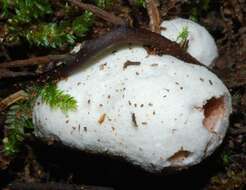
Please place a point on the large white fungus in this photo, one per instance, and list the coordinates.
(201, 44)
(154, 111)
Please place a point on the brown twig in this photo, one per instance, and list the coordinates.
(49, 61)
(53, 186)
(33, 61)
(109, 17)
(154, 15)
(5, 73)
(20, 95)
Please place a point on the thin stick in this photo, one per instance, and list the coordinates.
(154, 15)
(33, 61)
(5, 73)
(109, 17)
(53, 186)
(20, 95)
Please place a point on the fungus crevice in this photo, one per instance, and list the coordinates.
(179, 156)
(214, 111)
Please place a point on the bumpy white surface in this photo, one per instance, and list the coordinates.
(201, 44)
(163, 93)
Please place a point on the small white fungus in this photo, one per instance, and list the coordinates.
(154, 111)
(201, 44)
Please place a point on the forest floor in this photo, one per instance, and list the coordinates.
(224, 170)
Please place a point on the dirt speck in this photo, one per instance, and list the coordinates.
(130, 63)
(134, 121)
(102, 118)
(154, 65)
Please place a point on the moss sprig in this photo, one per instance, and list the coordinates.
(82, 24)
(140, 3)
(18, 123)
(104, 3)
(5, 5)
(30, 23)
(182, 38)
(57, 99)
(27, 10)
(49, 35)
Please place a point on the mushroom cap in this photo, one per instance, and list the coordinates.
(154, 111)
(201, 44)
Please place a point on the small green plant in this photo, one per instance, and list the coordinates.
(226, 158)
(194, 14)
(27, 10)
(104, 3)
(55, 35)
(183, 35)
(32, 21)
(197, 8)
(5, 4)
(18, 124)
(48, 35)
(182, 38)
(57, 99)
(140, 3)
(19, 116)
(82, 24)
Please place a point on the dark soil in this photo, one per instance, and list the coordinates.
(224, 170)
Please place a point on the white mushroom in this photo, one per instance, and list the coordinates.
(154, 111)
(201, 44)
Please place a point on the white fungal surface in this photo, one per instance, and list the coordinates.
(155, 112)
(201, 44)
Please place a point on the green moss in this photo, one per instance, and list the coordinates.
(140, 3)
(56, 35)
(19, 116)
(104, 3)
(182, 38)
(18, 122)
(49, 35)
(57, 99)
(32, 22)
(82, 24)
(184, 34)
(5, 5)
(28, 10)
